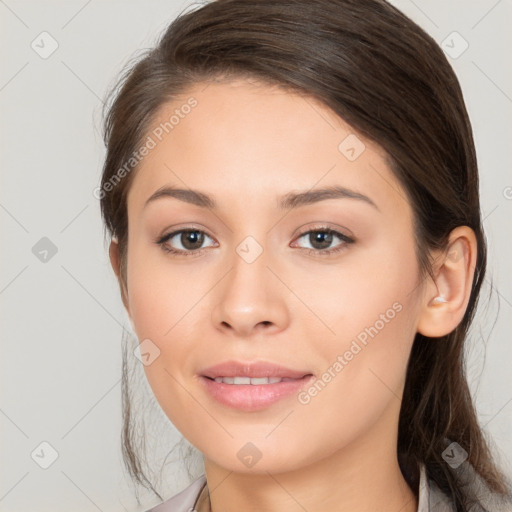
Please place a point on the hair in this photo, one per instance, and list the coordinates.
(388, 79)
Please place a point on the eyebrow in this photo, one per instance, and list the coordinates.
(290, 200)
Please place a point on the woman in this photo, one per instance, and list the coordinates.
(291, 189)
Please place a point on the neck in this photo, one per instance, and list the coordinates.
(364, 476)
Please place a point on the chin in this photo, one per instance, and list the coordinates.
(260, 457)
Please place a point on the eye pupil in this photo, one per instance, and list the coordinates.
(196, 238)
(322, 237)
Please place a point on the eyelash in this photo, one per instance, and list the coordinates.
(316, 252)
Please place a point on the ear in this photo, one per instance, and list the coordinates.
(453, 270)
(115, 261)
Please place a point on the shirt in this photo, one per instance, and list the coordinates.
(430, 497)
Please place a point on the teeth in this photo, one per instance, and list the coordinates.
(255, 381)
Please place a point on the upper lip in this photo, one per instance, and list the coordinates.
(253, 370)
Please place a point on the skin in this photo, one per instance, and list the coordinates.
(246, 144)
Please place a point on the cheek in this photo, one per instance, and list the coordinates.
(168, 307)
(360, 295)
(360, 387)
(161, 294)
(372, 312)
(163, 302)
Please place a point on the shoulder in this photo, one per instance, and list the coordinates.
(183, 501)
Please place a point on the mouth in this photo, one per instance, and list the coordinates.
(252, 386)
(252, 370)
(253, 381)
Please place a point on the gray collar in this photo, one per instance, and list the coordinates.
(482, 499)
(430, 497)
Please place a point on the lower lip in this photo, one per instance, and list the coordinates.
(248, 397)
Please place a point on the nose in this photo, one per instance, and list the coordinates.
(250, 300)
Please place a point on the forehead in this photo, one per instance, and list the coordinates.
(248, 142)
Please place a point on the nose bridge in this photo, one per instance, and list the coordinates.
(250, 296)
(250, 266)
(251, 252)
(247, 287)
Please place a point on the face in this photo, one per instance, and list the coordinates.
(320, 290)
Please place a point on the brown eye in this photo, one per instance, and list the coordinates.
(191, 240)
(321, 240)
(184, 241)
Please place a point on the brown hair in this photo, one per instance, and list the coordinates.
(388, 79)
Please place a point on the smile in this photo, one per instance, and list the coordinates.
(256, 381)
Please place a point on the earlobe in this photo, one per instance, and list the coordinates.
(446, 298)
(438, 300)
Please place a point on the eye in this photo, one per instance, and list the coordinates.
(189, 242)
(322, 238)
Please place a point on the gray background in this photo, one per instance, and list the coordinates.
(62, 317)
